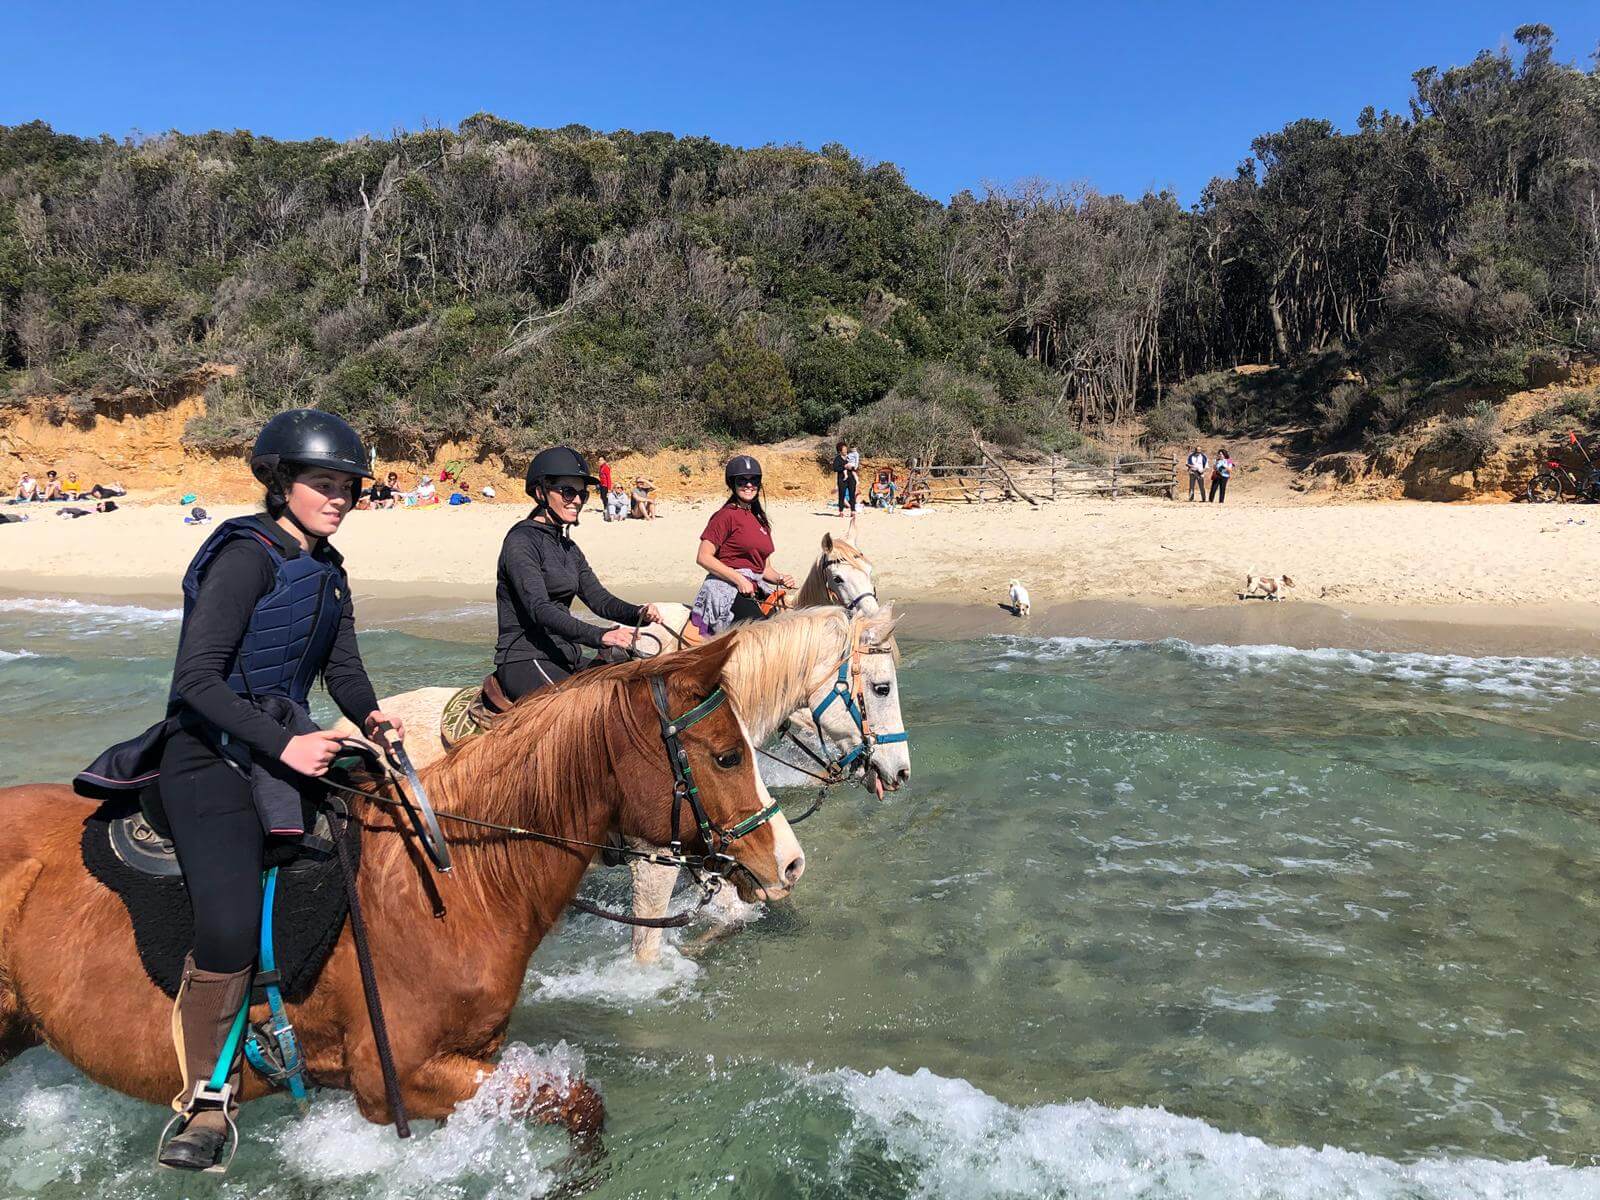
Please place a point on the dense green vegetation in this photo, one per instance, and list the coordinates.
(514, 285)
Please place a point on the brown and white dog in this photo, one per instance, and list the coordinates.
(1266, 587)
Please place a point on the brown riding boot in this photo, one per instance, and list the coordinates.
(202, 1017)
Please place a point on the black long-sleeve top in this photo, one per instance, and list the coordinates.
(234, 583)
(541, 571)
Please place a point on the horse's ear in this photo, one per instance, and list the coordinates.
(827, 543)
(878, 629)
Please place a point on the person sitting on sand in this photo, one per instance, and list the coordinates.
(27, 489)
(644, 504)
(382, 494)
(617, 502)
(883, 488)
(72, 487)
(424, 493)
(52, 487)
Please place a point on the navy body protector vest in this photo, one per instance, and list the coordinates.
(293, 627)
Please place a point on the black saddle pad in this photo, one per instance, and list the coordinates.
(308, 914)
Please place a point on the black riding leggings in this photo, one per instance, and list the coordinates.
(219, 839)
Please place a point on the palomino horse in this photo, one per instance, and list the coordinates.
(570, 764)
(840, 651)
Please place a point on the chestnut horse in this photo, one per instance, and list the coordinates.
(574, 763)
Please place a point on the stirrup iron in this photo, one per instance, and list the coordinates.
(204, 1097)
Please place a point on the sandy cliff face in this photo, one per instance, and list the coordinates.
(138, 442)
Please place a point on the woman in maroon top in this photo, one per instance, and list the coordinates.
(736, 553)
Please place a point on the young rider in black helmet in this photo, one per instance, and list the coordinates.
(267, 610)
(541, 571)
(735, 552)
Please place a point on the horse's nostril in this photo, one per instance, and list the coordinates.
(903, 775)
(795, 869)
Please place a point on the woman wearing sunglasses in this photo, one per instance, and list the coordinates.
(736, 552)
(541, 570)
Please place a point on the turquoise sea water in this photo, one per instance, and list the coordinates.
(1154, 920)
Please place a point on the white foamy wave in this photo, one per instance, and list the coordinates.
(1520, 677)
(961, 1142)
(617, 981)
(83, 610)
(9, 655)
(487, 1148)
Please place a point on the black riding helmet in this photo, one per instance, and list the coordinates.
(740, 464)
(556, 462)
(308, 438)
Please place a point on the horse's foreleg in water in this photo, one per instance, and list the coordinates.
(16, 1031)
(652, 895)
(434, 1089)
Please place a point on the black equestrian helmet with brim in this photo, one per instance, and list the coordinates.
(307, 437)
(556, 462)
(741, 464)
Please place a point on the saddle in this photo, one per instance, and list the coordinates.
(472, 711)
(128, 854)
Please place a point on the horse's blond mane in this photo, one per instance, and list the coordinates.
(814, 591)
(776, 665)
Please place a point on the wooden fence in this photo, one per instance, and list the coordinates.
(1055, 479)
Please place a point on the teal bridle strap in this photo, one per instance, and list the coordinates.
(684, 788)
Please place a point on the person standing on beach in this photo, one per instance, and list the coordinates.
(604, 475)
(1197, 473)
(846, 463)
(1221, 472)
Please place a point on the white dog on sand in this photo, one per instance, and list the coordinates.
(1020, 604)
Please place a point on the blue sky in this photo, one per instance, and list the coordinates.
(1126, 97)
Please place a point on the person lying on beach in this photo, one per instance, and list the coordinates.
(27, 489)
(12, 518)
(104, 506)
(101, 491)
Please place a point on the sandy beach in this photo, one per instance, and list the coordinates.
(1368, 574)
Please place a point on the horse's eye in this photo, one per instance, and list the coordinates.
(730, 759)
(882, 689)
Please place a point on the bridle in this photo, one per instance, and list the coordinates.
(849, 690)
(849, 606)
(708, 870)
(686, 792)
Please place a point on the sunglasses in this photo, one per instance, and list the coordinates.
(746, 481)
(571, 494)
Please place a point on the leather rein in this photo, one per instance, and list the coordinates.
(707, 870)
